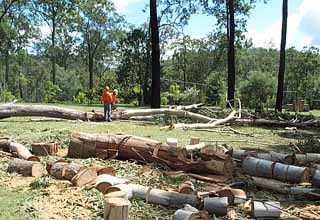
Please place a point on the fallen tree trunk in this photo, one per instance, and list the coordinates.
(48, 111)
(144, 150)
(17, 149)
(276, 123)
(25, 168)
(211, 124)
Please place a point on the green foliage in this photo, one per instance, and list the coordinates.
(189, 96)
(257, 90)
(92, 96)
(51, 92)
(216, 89)
(6, 96)
(40, 182)
(164, 98)
(81, 98)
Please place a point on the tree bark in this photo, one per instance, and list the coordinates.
(91, 63)
(231, 55)
(127, 147)
(155, 87)
(25, 168)
(7, 67)
(22, 152)
(282, 65)
(65, 171)
(53, 43)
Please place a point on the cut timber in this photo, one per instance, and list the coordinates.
(316, 179)
(5, 144)
(121, 187)
(104, 170)
(116, 209)
(241, 154)
(258, 167)
(84, 177)
(308, 158)
(65, 171)
(127, 147)
(268, 209)
(277, 157)
(44, 149)
(104, 181)
(22, 152)
(162, 197)
(235, 196)
(190, 213)
(194, 140)
(48, 111)
(25, 168)
(187, 187)
(50, 163)
(216, 205)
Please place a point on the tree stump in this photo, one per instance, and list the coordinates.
(116, 209)
(25, 168)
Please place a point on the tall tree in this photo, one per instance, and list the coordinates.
(54, 14)
(282, 65)
(155, 54)
(231, 52)
(99, 26)
(5, 6)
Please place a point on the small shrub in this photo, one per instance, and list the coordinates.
(81, 98)
(6, 96)
(51, 92)
(164, 98)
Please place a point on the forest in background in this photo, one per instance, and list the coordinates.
(89, 45)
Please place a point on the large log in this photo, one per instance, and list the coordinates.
(144, 150)
(25, 168)
(47, 111)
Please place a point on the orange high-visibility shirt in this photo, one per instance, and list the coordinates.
(106, 97)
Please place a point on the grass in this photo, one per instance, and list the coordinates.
(15, 203)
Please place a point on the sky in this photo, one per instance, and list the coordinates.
(264, 23)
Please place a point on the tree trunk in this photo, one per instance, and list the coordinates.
(53, 44)
(155, 87)
(104, 181)
(48, 111)
(22, 152)
(25, 168)
(91, 63)
(282, 65)
(65, 171)
(20, 89)
(231, 55)
(144, 150)
(7, 67)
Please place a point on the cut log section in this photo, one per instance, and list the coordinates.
(277, 157)
(127, 147)
(258, 167)
(84, 177)
(194, 140)
(117, 194)
(44, 149)
(162, 197)
(316, 179)
(104, 181)
(25, 168)
(190, 213)
(22, 152)
(307, 158)
(187, 188)
(104, 170)
(216, 205)
(50, 163)
(241, 154)
(5, 144)
(268, 209)
(235, 196)
(65, 171)
(116, 209)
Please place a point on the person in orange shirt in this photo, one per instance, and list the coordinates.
(114, 98)
(106, 98)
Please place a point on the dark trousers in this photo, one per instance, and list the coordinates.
(107, 111)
